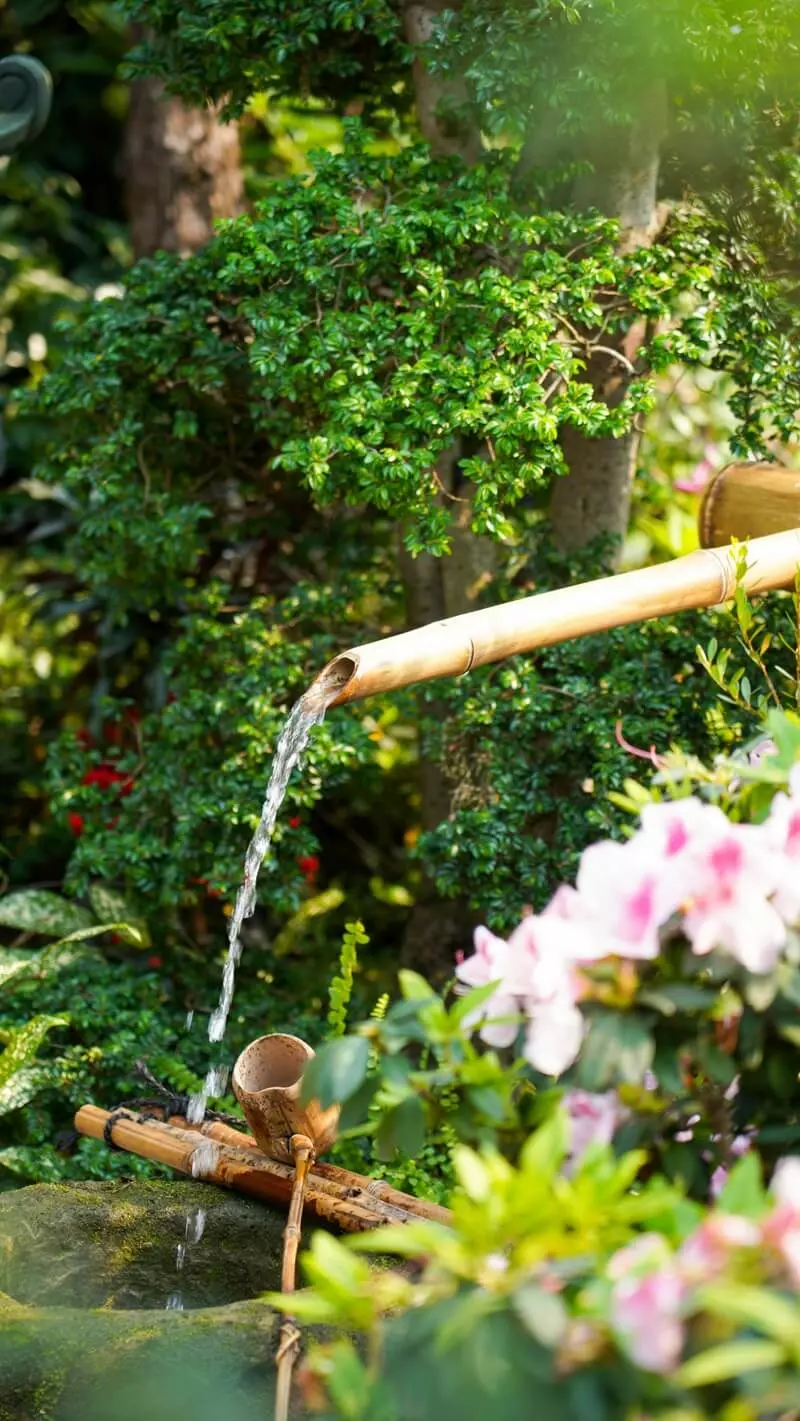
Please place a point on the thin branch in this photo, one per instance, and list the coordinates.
(651, 754)
(616, 354)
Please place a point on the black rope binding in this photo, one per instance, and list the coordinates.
(161, 1106)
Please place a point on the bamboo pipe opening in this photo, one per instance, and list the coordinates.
(334, 678)
(271, 1061)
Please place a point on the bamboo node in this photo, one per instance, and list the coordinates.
(290, 1341)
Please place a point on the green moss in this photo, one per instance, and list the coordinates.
(113, 1246)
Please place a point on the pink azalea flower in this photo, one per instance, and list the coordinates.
(726, 879)
(536, 974)
(620, 889)
(782, 830)
(543, 953)
(647, 1298)
(593, 1120)
(490, 963)
(678, 824)
(696, 481)
(761, 751)
(785, 1186)
(542, 956)
(781, 1229)
(706, 1252)
(554, 1036)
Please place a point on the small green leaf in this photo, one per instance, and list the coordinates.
(22, 1043)
(97, 930)
(619, 1048)
(402, 1129)
(15, 964)
(22, 1087)
(543, 1314)
(35, 910)
(545, 1151)
(757, 1308)
(471, 1001)
(414, 987)
(336, 1071)
(678, 996)
(743, 1191)
(732, 1359)
(111, 905)
(472, 1174)
(488, 1101)
(355, 1109)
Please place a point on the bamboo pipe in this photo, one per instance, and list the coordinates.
(334, 1196)
(453, 647)
(342, 1183)
(749, 501)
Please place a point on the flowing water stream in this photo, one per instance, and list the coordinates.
(307, 713)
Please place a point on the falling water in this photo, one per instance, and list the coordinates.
(308, 712)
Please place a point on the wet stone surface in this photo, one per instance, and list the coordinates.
(102, 1245)
(86, 1270)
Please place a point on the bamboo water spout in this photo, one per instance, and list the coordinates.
(453, 647)
(266, 1082)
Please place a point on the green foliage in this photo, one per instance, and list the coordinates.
(516, 832)
(18, 1080)
(592, 63)
(512, 1304)
(422, 1076)
(358, 339)
(236, 446)
(333, 49)
(341, 987)
(339, 343)
(768, 649)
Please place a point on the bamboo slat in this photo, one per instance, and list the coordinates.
(334, 1196)
(454, 646)
(344, 1180)
(748, 501)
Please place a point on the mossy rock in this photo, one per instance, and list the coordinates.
(115, 1245)
(85, 1274)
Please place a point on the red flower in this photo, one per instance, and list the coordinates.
(210, 892)
(76, 824)
(154, 960)
(309, 867)
(84, 737)
(104, 776)
(295, 822)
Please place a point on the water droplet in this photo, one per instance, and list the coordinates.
(195, 1225)
(196, 1109)
(204, 1159)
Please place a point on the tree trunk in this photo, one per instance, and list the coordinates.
(440, 102)
(594, 498)
(441, 587)
(435, 929)
(182, 171)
